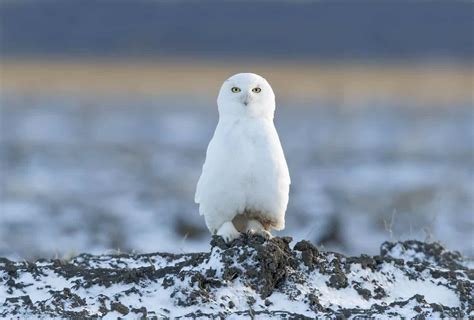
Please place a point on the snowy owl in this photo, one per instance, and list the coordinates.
(245, 181)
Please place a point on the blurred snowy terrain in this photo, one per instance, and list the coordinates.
(97, 175)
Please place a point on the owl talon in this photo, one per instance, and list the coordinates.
(264, 233)
(228, 232)
(256, 228)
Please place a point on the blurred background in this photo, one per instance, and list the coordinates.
(107, 108)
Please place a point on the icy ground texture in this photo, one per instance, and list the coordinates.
(249, 277)
(90, 175)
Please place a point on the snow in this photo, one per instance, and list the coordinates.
(399, 287)
(401, 253)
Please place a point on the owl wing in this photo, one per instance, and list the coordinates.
(197, 196)
(202, 185)
(199, 186)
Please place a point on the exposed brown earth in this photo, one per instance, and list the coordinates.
(350, 83)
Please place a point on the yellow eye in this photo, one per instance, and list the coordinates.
(235, 89)
(256, 90)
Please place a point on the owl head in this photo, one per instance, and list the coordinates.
(246, 95)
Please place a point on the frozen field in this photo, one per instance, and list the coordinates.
(100, 175)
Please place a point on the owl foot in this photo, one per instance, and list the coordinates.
(228, 232)
(255, 227)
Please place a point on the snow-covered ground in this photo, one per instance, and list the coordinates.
(85, 174)
(250, 278)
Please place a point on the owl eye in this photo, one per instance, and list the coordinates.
(235, 89)
(256, 90)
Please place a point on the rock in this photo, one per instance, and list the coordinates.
(117, 306)
(309, 253)
(249, 277)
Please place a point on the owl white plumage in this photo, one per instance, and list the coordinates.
(245, 181)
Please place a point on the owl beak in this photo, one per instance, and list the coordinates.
(246, 100)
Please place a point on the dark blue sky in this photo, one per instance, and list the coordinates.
(322, 29)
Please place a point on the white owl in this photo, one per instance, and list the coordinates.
(245, 181)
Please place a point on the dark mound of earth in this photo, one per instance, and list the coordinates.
(251, 277)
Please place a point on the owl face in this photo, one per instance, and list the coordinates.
(246, 94)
